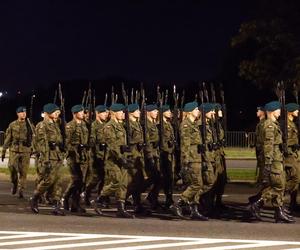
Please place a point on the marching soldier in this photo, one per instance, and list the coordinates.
(167, 155)
(273, 173)
(152, 160)
(191, 170)
(77, 158)
(291, 161)
(98, 146)
(18, 139)
(116, 161)
(49, 147)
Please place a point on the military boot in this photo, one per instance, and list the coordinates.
(293, 202)
(14, 188)
(177, 211)
(255, 208)
(280, 216)
(34, 203)
(169, 200)
(97, 207)
(195, 215)
(21, 194)
(122, 211)
(76, 207)
(57, 209)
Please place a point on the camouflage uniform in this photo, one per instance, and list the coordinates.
(274, 189)
(49, 144)
(167, 160)
(77, 159)
(259, 150)
(16, 139)
(152, 163)
(97, 158)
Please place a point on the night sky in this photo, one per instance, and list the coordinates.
(183, 42)
(49, 41)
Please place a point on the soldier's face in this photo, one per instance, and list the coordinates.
(120, 115)
(168, 114)
(102, 116)
(21, 115)
(276, 113)
(195, 113)
(54, 115)
(79, 115)
(136, 114)
(153, 114)
(260, 113)
(210, 114)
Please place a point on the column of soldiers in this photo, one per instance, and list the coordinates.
(278, 165)
(130, 149)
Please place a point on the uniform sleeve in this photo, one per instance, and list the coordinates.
(110, 140)
(93, 135)
(41, 142)
(8, 138)
(69, 132)
(185, 143)
(269, 136)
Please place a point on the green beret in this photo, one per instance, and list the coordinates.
(21, 109)
(117, 107)
(272, 106)
(291, 107)
(165, 108)
(218, 106)
(133, 107)
(207, 107)
(50, 108)
(101, 108)
(77, 108)
(190, 106)
(151, 107)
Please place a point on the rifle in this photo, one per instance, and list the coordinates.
(216, 129)
(203, 125)
(161, 117)
(224, 110)
(176, 114)
(94, 105)
(181, 105)
(112, 95)
(127, 124)
(83, 98)
(295, 93)
(144, 115)
(105, 99)
(29, 125)
(280, 91)
(62, 116)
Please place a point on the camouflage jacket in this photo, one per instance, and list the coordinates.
(259, 136)
(190, 140)
(136, 138)
(115, 137)
(272, 138)
(76, 140)
(168, 138)
(152, 147)
(48, 141)
(16, 137)
(292, 141)
(97, 139)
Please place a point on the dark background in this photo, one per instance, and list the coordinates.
(109, 42)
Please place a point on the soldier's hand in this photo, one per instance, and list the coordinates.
(266, 173)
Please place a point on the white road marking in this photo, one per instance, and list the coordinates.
(14, 238)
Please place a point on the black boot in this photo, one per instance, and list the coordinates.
(57, 209)
(14, 188)
(86, 198)
(169, 200)
(76, 207)
(195, 215)
(255, 208)
(21, 194)
(280, 216)
(122, 211)
(254, 198)
(34, 203)
(97, 207)
(177, 211)
(293, 202)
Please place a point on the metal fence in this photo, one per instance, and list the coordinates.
(240, 139)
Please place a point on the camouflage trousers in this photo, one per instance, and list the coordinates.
(117, 181)
(18, 165)
(50, 180)
(96, 175)
(292, 173)
(192, 174)
(274, 190)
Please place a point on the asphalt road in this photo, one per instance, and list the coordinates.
(234, 226)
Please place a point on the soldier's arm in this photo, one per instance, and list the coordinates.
(111, 141)
(8, 138)
(69, 132)
(41, 142)
(269, 136)
(185, 143)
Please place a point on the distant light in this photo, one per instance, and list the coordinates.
(1, 94)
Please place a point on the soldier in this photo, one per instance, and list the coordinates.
(273, 174)
(77, 158)
(291, 161)
(50, 150)
(18, 139)
(152, 157)
(191, 170)
(167, 155)
(137, 171)
(116, 161)
(259, 145)
(98, 146)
